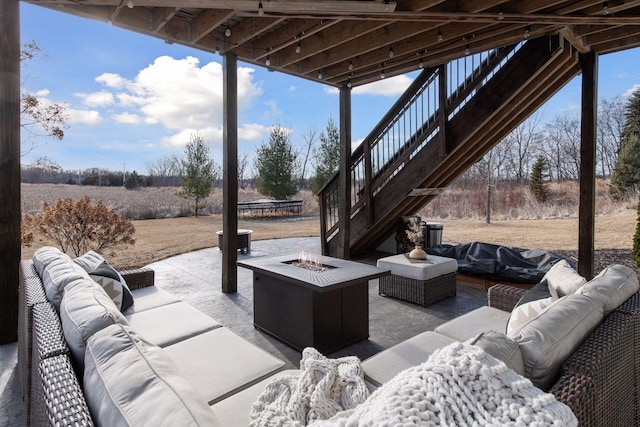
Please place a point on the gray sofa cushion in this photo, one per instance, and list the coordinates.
(549, 339)
(218, 363)
(613, 286)
(168, 324)
(469, 325)
(89, 261)
(86, 309)
(43, 257)
(57, 274)
(385, 365)
(149, 297)
(130, 382)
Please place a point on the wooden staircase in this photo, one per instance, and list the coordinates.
(418, 148)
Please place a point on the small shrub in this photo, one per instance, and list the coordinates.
(80, 225)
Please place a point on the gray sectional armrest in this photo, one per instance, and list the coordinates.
(504, 297)
(139, 278)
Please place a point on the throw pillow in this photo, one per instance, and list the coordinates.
(114, 285)
(502, 348)
(539, 291)
(526, 312)
(563, 279)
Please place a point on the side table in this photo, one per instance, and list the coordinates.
(244, 240)
(422, 282)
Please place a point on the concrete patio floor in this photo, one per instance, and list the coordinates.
(195, 277)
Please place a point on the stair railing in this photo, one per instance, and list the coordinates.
(411, 123)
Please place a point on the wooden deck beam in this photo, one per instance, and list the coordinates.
(10, 215)
(230, 174)
(588, 121)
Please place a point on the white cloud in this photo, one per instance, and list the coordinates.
(630, 91)
(292, 88)
(273, 110)
(42, 93)
(127, 118)
(252, 132)
(393, 86)
(111, 80)
(96, 99)
(87, 117)
(181, 95)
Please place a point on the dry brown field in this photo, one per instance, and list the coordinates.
(158, 239)
(161, 238)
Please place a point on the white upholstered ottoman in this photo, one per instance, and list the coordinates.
(423, 282)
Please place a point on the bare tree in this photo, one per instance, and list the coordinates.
(307, 149)
(563, 142)
(165, 170)
(38, 117)
(243, 162)
(611, 119)
(523, 141)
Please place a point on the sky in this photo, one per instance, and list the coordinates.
(133, 99)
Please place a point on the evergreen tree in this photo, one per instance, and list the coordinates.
(198, 172)
(538, 181)
(626, 170)
(327, 157)
(276, 165)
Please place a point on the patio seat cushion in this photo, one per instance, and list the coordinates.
(44, 256)
(234, 411)
(168, 324)
(612, 286)
(563, 279)
(385, 365)
(548, 339)
(128, 381)
(85, 310)
(89, 261)
(502, 348)
(149, 297)
(219, 363)
(471, 324)
(57, 274)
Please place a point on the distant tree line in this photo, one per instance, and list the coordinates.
(557, 142)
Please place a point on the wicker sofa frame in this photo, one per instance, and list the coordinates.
(51, 389)
(600, 381)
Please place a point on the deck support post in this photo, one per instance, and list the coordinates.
(230, 173)
(442, 111)
(10, 215)
(344, 179)
(588, 124)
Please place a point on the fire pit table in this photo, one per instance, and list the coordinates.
(325, 306)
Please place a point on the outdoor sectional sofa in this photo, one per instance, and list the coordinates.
(196, 372)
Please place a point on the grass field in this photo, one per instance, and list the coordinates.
(161, 238)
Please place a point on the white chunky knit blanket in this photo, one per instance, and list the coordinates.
(459, 385)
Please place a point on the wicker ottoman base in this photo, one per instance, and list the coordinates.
(422, 292)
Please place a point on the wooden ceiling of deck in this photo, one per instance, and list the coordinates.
(351, 43)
